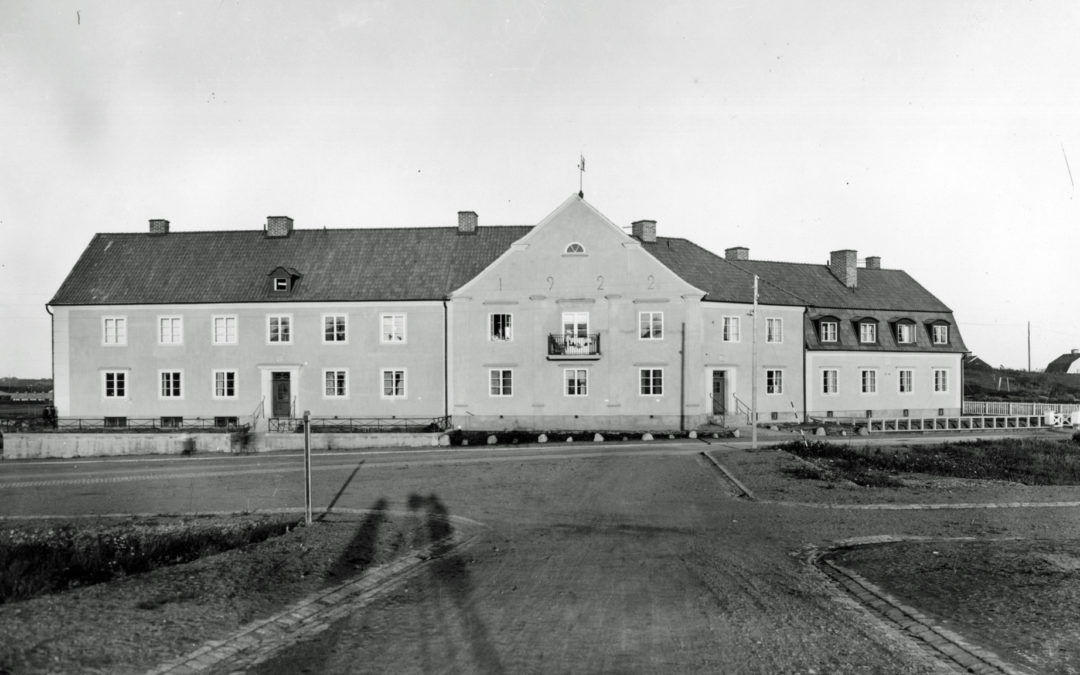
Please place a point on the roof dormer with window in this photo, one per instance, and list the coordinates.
(283, 281)
(904, 330)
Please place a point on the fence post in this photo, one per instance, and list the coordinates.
(307, 467)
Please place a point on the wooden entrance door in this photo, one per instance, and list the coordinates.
(719, 392)
(281, 395)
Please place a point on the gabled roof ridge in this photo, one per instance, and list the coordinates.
(175, 233)
(778, 262)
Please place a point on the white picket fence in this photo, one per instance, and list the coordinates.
(1018, 408)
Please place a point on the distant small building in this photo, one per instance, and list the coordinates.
(972, 362)
(1066, 363)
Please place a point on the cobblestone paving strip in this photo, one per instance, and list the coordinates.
(942, 642)
(260, 640)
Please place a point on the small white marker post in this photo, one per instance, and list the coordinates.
(307, 467)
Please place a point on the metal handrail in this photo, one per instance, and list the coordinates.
(572, 345)
(353, 425)
(132, 425)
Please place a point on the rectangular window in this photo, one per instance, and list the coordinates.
(731, 329)
(114, 330)
(170, 330)
(941, 334)
(115, 422)
(869, 381)
(941, 380)
(279, 329)
(828, 331)
(829, 381)
(502, 327)
(652, 381)
(393, 328)
(224, 330)
(226, 422)
(502, 382)
(224, 384)
(393, 384)
(281, 284)
(575, 324)
(171, 384)
(172, 422)
(774, 330)
(867, 332)
(334, 328)
(905, 382)
(774, 382)
(651, 325)
(576, 382)
(905, 333)
(115, 384)
(336, 383)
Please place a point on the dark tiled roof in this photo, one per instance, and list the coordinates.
(848, 332)
(232, 266)
(1061, 364)
(784, 283)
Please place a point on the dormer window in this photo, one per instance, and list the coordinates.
(281, 284)
(283, 280)
(828, 330)
(867, 332)
(905, 332)
(575, 248)
(941, 333)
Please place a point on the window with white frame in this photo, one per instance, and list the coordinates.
(501, 381)
(281, 284)
(334, 328)
(501, 327)
(224, 330)
(867, 332)
(114, 383)
(170, 330)
(774, 330)
(575, 248)
(335, 383)
(941, 380)
(279, 329)
(171, 384)
(905, 333)
(393, 328)
(651, 325)
(869, 381)
(774, 382)
(224, 383)
(905, 381)
(393, 384)
(652, 381)
(576, 382)
(731, 329)
(575, 324)
(114, 330)
(829, 379)
(941, 334)
(828, 331)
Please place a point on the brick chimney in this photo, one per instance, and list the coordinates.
(844, 265)
(278, 226)
(159, 226)
(737, 253)
(467, 222)
(873, 262)
(644, 230)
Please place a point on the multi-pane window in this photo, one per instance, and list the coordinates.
(905, 333)
(334, 328)
(502, 327)
(651, 325)
(941, 380)
(774, 382)
(652, 381)
(115, 384)
(905, 381)
(393, 384)
(393, 328)
(774, 330)
(828, 331)
(829, 379)
(575, 249)
(171, 384)
(224, 330)
(867, 332)
(224, 384)
(869, 381)
(941, 334)
(114, 330)
(576, 382)
(575, 324)
(501, 381)
(335, 383)
(281, 284)
(170, 330)
(279, 329)
(731, 329)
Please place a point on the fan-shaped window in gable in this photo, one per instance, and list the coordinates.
(574, 248)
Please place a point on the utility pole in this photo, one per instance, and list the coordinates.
(307, 467)
(1029, 346)
(753, 369)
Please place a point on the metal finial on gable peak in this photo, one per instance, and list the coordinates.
(581, 175)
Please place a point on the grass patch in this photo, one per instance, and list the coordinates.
(41, 558)
(1031, 461)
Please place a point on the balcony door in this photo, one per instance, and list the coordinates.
(575, 324)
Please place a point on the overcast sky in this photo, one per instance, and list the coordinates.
(934, 134)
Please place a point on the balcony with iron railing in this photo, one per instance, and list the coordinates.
(573, 348)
